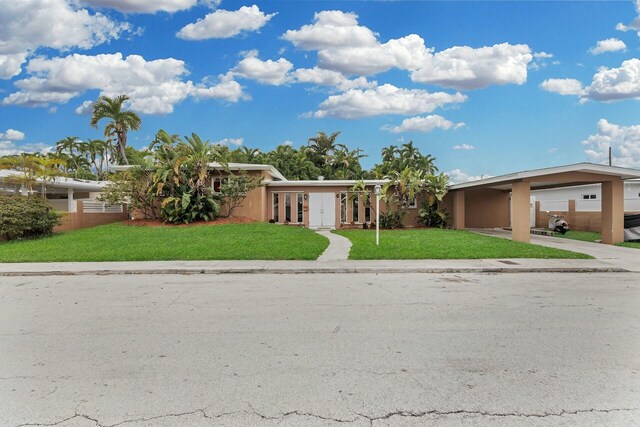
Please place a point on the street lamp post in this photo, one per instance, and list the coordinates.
(377, 192)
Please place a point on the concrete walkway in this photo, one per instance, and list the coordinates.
(338, 249)
(614, 256)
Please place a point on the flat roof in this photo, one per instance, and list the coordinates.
(326, 183)
(504, 182)
(62, 182)
(252, 167)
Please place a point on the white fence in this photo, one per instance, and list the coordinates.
(99, 207)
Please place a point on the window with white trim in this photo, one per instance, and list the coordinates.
(414, 203)
(588, 197)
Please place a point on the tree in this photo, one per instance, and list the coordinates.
(68, 147)
(97, 151)
(131, 187)
(179, 178)
(121, 121)
(235, 188)
(26, 165)
(47, 169)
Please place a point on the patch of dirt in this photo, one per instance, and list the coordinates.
(159, 223)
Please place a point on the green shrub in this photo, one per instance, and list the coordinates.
(391, 219)
(431, 215)
(186, 207)
(26, 216)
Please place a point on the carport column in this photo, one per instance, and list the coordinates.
(520, 211)
(70, 207)
(458, 210)
(612, 211)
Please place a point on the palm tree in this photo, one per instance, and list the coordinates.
(121, 121)
(97, 152)
(47, 168)
(322, 146)
(68, 147)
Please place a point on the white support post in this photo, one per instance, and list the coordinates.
(70, 207)
(377, 191)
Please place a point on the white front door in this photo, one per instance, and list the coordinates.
(322, 210)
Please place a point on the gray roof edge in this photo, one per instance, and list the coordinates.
(624, 173)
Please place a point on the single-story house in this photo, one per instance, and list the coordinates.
(502, 201)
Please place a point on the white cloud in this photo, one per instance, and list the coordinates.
(610, 84)
(552, 150)
(12, 135)
(85, 108)
(462, 67)
(383, 100)
(267, 72)
(28, 25)
(634, 25)
(8, 148)
(423, 124)
(563, 86)
(331, 29)
(349, 48)
(231, 141)
(223, 24)
(407, 53)
(141, 6)
(608, 45)
(287, 142)
(456, 176)
(324, 77)
(540, 60)
(153, 86)
(464, 147)
(623, 140)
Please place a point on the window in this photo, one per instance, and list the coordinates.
(216, 183)
(588, 196)
(414, 203)
(343, 208)
(287, 207)
(367, 210)
(355, 205)
(300, 208)
(276, 207)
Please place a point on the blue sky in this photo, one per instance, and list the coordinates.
(486, 87)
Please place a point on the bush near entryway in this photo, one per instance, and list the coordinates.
(25, 216)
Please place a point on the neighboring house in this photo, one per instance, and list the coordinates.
(75, 198)
(581, 205)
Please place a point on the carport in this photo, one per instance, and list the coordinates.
(504, 201)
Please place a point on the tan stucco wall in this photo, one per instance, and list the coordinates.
(483, 208)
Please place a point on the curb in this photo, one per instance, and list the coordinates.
(345, 270)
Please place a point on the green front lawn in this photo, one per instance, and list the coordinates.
(119, 242)
(590, 236)
(434, 243)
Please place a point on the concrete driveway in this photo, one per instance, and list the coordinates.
(319, 350)
(615, 256)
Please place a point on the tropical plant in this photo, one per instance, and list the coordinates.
(180, 175)
(121, 122)
(131, 187)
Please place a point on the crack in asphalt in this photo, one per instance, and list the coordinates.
(418, 414)
(370, 418)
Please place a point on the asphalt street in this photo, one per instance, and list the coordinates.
(468, 349)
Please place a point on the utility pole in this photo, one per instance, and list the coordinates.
(609, 155)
